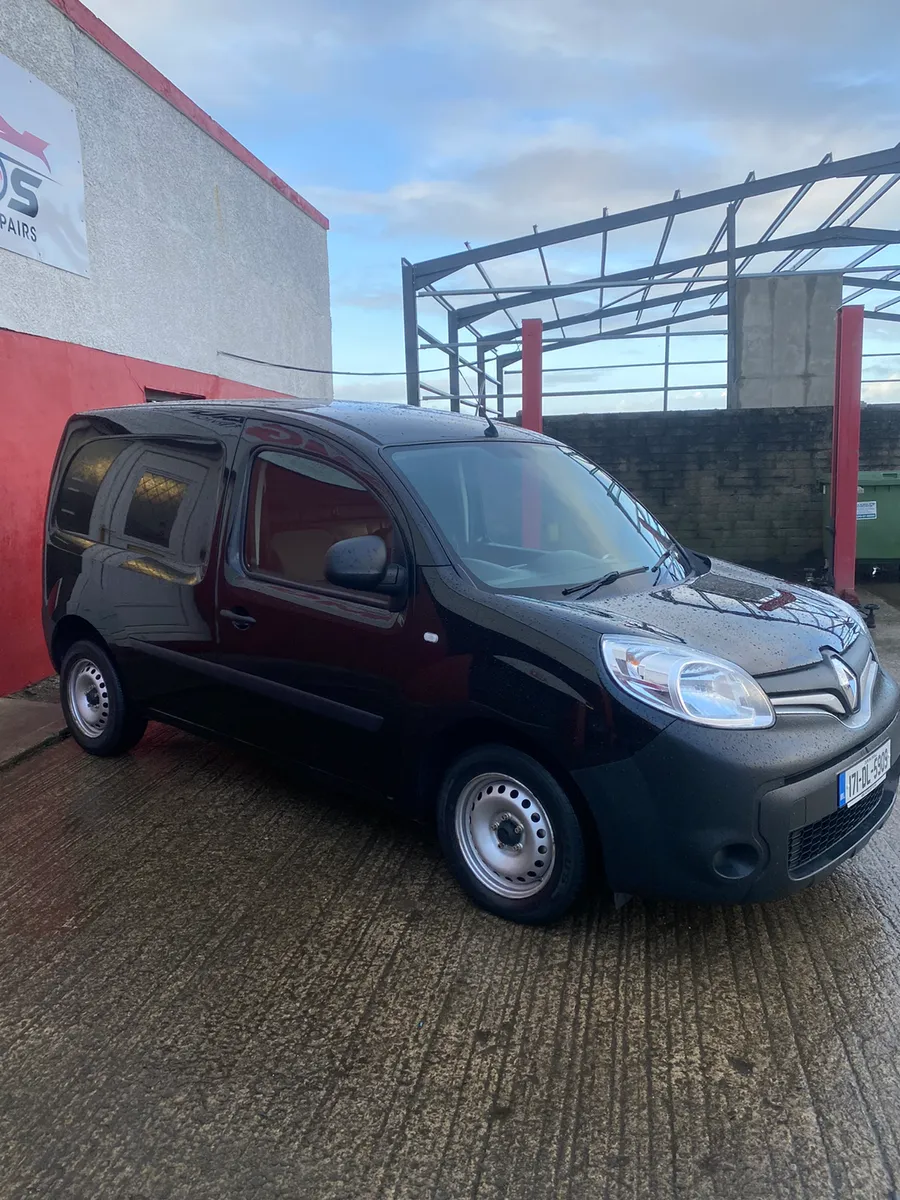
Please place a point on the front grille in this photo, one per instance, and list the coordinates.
(815, 840)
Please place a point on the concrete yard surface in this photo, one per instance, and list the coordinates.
(26, 725)
(218, 984)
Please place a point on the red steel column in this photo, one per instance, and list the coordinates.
(532, 385)
(532, 418)
(845, 448)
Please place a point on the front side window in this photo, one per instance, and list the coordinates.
(298, 508)
(534, 517)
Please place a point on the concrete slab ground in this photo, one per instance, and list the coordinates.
(215, 984)
(26, 725)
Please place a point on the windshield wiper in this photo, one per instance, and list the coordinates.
(592, 585)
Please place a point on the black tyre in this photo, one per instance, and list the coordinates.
(100, 718)
(511, 836)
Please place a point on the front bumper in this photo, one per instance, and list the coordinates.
(708, 816)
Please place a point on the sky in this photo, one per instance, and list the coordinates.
(417, 125)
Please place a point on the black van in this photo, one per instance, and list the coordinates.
(475, 623)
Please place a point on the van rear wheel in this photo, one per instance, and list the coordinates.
(100, 718)
(511, 836)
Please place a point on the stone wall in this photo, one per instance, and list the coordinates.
(744, 484)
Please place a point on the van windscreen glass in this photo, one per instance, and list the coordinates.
(526, 516)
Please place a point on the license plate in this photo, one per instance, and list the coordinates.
(858, 781)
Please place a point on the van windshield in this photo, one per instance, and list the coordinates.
(536, 517)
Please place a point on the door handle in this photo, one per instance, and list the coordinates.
(239, 617)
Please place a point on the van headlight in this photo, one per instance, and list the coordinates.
(687, 683)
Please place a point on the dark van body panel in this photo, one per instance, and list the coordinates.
(163, 536)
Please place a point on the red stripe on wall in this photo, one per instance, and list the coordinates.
(43, 383)
(90, 24)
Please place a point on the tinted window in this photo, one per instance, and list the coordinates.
(152, 495)
(298, 508)
(154, 508)
(525, 516)
(81, 483)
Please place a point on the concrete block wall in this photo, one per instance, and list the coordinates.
(742, 484)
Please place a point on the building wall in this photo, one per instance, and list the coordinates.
(745, 486)
(786, 341)
(193, 255)
(67, 379)
(198, 255)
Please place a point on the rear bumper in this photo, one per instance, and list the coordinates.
(697, 816)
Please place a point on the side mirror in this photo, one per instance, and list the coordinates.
(358, 562)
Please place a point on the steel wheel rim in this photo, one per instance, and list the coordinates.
(490, 810)
(88, 698)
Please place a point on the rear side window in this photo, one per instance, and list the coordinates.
(81, 483)
(298, 508)
(154, 508)
(154, 495)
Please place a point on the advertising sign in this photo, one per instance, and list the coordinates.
(41, 182)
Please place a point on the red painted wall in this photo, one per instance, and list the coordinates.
(42, 383)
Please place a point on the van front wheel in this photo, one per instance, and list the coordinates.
(511, 836)
(100, 718)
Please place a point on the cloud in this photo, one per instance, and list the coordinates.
(234, 54)
(416, 124)
(511, 112)
(562, 174)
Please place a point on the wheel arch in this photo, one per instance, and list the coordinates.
(455, 740)
(69, 630)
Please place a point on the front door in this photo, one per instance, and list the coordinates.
(321, 668)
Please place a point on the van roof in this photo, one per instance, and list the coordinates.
(386, 424)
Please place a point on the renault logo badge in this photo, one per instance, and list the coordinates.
(847, 682)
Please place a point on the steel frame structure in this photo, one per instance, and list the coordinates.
(635, 292)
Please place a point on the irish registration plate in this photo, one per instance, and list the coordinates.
(859, 780)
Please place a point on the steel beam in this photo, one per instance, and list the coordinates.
(410, 333)
(609, 281)
(829, 221)
(604, 238)
(611, 310)
(731, 251)
(547, 275)
(660, 251)
(881, 162)
(487, 279)
(453, 352)
(482, 389)
(854, 216)
(666, 368)
(778, 221)
(873, 285)
(642, 391)
(841, 235)
(629, 331)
